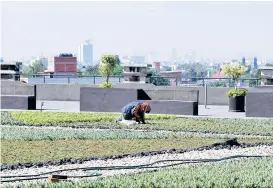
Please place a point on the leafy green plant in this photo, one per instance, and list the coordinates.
(158, 80)
(106, 85)
(236, 92)
(235, 71)
(108, 64)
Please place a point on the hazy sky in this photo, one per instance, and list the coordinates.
(212, 29)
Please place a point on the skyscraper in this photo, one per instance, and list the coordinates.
(255, 63)
(85, 55)
(244, 61)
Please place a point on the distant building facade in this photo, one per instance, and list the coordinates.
(255, 63)
(173, 76)
(156, 66)
(64, 64)
(134, 73)
(10, 71)
(244, 61)
(85, 53)
(266, 75)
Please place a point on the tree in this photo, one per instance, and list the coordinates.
(158, 80)
(92, 70)
(118, 71)
(194, 70)
(108, 63)
(33, 69)
(234, 71)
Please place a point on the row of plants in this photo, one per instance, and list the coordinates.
(33, 133)
(18, 151)
(247, 173)
(154, 122)
(54, 118)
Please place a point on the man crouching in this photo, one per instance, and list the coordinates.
(135, 110)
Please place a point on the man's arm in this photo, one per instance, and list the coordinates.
(139, 118)
(136, 112)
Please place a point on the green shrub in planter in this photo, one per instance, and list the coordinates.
(106, 85)
(236, 92)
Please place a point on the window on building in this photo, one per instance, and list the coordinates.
(134, 79)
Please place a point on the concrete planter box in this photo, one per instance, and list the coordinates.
(259, 103)
(20, 102)
(113, 99)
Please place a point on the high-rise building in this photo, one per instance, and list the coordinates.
(156, 66)
(85, 55)
(174, 55)
(244, 61)
(255, 63)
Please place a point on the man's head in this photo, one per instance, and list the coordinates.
(145, 107)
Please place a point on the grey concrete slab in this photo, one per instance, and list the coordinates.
(105, 99)
(174, 107)
(259, 103)
(23, 102)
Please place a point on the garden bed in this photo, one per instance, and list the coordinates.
(229, 172)
(154, 122)
(41, 140)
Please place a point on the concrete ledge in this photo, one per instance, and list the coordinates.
(23, 102)
(105, 99)
(259, 103)
(112, 100)
(174, 107)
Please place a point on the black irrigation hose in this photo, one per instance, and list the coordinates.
(145, 166)
(45, 177)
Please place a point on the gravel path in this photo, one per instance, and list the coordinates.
(206, 154)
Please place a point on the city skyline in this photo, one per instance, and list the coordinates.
(224, 30)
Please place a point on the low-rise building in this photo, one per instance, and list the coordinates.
(10, 71)
(173, 76)
(63, 65)
(266, 75)
(134, 73)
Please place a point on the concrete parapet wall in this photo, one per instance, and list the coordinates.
(71, 92)
(105, 100)
(16, 88)
(60, 92)
(174, 107)
(112, 100)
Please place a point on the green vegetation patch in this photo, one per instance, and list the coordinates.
(18, 151)
(55, 133)
(245, 173)
(154, 122)
(219, 125)
(55, 118)
(13, 152)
